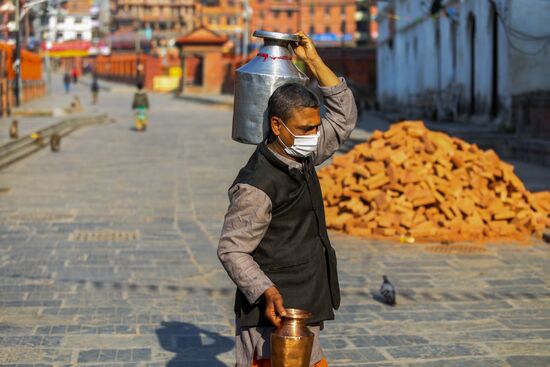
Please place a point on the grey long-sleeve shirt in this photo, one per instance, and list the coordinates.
(249, 215)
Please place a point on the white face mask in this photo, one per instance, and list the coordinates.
(304, 145)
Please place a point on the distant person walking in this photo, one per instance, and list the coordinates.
(75, 75)
(67, 82)
(140, 105)
(94, 89)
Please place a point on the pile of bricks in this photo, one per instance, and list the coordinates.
(411, 182)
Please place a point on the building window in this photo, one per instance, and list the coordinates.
(78, 20)
(343, 11)
(327, 10)
(276, 14)
(289, 13)
(311, 30)
(78, 36)
(311, 11)
(327, 29)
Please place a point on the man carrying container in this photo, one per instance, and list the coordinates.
(274, 243)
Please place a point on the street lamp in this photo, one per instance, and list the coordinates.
(19, 15)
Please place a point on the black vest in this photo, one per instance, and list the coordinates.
(295, 252)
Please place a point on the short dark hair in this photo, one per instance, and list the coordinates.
(288, 98)
(139, 85)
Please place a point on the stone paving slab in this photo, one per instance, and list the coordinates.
(144, 287)
(54, 99)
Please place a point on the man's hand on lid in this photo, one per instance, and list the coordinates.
(305, 50)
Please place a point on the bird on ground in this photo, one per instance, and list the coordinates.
(14, 130)
(387, 290)
(55, 142)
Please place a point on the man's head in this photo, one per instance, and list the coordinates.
(139, 85)
(296, 107)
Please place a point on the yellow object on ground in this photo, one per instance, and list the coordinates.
(175, 71)
(165, 83)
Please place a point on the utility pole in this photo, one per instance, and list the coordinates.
(137, 37)
(299, 15)
(139, 66)
(19, 15)
(45, 24)
(17, 58)
(247, 13)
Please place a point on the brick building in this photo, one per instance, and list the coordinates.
(225, 17)
(328, 22)
(204, 70)
(78, 7)
(168, 18)
(7, 11)
(367, 27)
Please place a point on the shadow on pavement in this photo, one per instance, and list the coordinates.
(378, 298)
(194, 346)
(406, 293)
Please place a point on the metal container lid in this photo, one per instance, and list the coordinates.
(276, 36)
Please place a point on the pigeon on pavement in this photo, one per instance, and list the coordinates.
(387, 290)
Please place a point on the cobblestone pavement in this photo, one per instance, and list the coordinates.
(107, 258)
(54, 102)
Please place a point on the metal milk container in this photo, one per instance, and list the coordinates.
(257, 80)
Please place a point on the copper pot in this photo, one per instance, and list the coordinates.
(291, 344)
